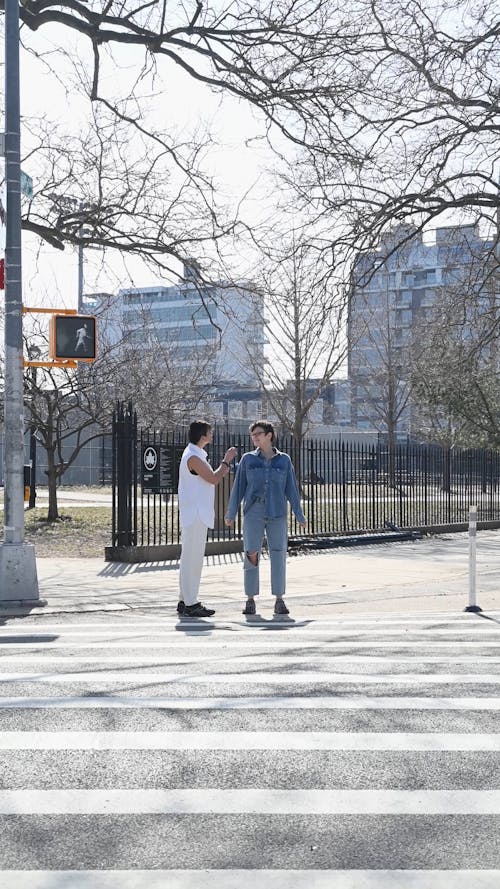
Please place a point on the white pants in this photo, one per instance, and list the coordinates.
(193, 540)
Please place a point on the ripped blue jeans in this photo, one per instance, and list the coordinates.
(256, 523)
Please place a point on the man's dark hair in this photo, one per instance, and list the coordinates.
(198, 428)
(265, 425)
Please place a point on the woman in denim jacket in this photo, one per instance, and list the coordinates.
(265, 480)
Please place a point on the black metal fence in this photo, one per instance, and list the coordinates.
(346, 488)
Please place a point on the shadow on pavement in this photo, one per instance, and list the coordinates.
(484, 616)
(13, 612)
(120, 569)
(191, 625)
(276, 622)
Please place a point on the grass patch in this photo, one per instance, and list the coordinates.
(78, 532)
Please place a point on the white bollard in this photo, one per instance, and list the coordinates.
(472, 606)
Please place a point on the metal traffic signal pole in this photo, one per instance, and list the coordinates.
(18, 575)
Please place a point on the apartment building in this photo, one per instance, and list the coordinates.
(219, 326)
(397, 287)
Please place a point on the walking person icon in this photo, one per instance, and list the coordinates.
(81, 339)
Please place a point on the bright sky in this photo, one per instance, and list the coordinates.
(50, 276)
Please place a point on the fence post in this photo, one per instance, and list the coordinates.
(313, 487)
(222, 490)
(343, 489)
(124, 476)
(472, 606)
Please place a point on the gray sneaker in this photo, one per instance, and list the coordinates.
(249, 606)
(280, 607)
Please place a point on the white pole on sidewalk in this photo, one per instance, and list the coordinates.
(472, 606)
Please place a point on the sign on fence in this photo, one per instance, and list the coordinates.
(158, 469)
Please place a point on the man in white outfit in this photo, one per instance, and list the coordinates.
(196, 494)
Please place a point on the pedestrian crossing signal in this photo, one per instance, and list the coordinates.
(73, 337)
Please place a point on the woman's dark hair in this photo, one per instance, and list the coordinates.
(198, 428)
(265, 425)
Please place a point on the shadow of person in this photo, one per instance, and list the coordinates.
(277, 621)
(254, 618)
(193, 625)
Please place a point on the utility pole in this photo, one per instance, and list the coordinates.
(78, 206)
(80, 277)
(34, 354)
(18, 575)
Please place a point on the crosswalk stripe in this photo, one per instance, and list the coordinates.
(262, 678)
(250, 740)
(396, 620)
(358, 702)
(144, 801)
(256, 646)
(268, 659)
(249, 878)
(261, 628)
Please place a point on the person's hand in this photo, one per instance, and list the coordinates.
(230, 454)
(302, 525)
(229, 522)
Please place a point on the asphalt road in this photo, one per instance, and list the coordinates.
(358, 753)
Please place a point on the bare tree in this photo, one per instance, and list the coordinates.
(305, 311)
(140, 188)
(393, 108)
(69, 407)
(381, 341)
(459, 399)
(414, 117)
(456, 375)
(165, 386)
(116, 189)
(266, 54)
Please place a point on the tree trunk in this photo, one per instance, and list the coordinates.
(446, 486)
(392, 456)
(53, 512)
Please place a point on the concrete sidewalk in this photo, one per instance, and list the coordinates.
(423, 575)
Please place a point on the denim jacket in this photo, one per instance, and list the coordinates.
(270, 480)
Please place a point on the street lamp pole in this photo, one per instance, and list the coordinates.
(80, 279)
(18, 576)
(34, 355)
(32, 500)
(77, 206)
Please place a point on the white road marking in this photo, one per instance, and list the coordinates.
(274, 702)
(200, 640)
(73, 801)
(248, 879)
(245, 740)
(389, 620)
(257, 629)
(306, 677)
(268, 659)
